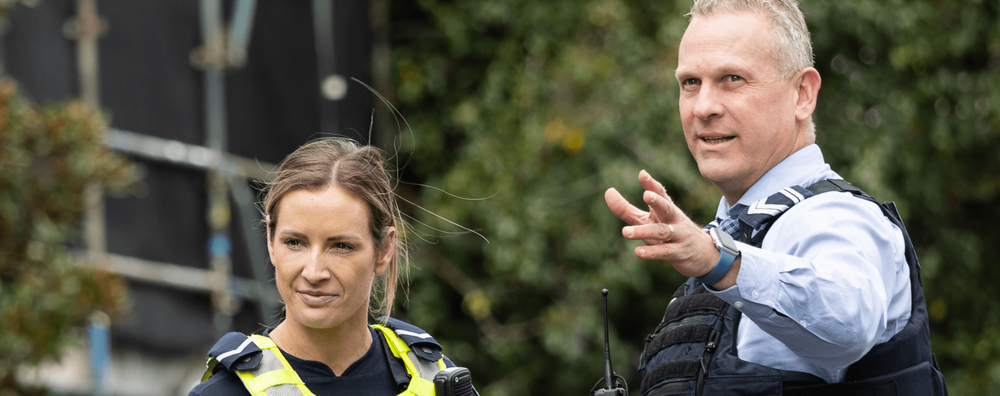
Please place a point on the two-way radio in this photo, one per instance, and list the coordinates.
(611, 385)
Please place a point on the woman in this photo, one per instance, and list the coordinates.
(333, 236)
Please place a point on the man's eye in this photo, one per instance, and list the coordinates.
(734, 78)
(691, 81)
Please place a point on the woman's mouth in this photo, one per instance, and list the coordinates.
(315, 298)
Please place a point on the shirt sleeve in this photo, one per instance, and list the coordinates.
(821, 282)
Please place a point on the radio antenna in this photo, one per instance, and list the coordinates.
(611, 385)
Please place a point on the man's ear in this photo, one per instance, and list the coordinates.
(807, 82)
(385, 252)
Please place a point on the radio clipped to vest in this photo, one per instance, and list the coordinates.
(453, 381)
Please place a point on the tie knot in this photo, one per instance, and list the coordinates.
(731, 225)
(737, 210)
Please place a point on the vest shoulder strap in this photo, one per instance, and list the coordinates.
(417, 350)
(259, 364)
(761, 215)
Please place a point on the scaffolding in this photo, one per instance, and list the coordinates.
(224, 43)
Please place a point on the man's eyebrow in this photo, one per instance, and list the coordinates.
(723, 70)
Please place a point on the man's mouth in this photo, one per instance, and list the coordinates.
(718, 139)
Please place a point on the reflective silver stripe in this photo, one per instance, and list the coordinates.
(235, 351)
(426, 369)
(412, 334)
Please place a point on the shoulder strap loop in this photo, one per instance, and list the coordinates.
(835, 185)
(421, 372)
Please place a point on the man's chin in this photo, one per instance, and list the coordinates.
(716, 170)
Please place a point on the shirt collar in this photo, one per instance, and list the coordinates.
(802, 168)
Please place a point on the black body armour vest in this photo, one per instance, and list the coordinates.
(693, 350)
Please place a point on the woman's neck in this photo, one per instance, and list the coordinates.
(337, 347)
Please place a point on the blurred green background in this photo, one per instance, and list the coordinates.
(528, 110)
(541, 106)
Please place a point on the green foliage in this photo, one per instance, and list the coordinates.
(909, 110)
(48, 156)
(541, 106)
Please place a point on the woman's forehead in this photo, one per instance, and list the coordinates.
(330, 209)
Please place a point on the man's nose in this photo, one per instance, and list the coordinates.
(708, 103)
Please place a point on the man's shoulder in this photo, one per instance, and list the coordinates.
(837, 211)
(843, 202)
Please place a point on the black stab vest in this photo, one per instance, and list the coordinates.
(693, 350)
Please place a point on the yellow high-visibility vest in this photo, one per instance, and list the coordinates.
(275, 373)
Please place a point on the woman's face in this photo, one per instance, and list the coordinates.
(325, 257)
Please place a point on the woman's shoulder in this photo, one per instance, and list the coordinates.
(419, 341)
(423, 345)
(234, 351)
(222, 383)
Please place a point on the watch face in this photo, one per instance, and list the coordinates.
(724, 241)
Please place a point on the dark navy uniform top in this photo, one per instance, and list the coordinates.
(368, 376)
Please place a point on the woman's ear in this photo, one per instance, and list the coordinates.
(270, 249)
(386, 251)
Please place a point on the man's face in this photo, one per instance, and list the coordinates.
(737, 111)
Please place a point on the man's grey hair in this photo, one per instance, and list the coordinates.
(792, 44)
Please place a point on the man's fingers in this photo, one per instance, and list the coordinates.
(662, 207)
(664, 212)
(650, 184)
(650, 232)
(624, 210)
(664, 252)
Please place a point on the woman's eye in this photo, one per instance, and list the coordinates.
(343, 246)
(293, 243)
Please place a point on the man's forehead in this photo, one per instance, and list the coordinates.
(725, 42)
(732, 29)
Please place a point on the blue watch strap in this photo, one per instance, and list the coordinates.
(726, 260)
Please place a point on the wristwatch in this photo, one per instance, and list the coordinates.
(728, 251)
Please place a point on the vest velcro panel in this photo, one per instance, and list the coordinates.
(682, 334)
(686, 369)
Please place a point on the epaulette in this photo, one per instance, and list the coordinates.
(422, 344)
(235, 351)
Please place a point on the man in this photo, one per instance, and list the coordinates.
(817, 297)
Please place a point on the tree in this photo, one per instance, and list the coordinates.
(48, 155)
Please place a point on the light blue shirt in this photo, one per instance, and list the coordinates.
(829, 281)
